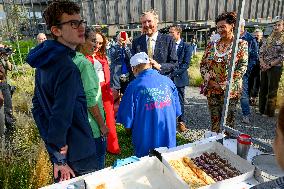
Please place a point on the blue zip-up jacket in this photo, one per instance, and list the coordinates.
(253, 51)
(59, 103)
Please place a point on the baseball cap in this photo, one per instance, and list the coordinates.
(139, 58)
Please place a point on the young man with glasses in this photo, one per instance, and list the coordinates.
(59, 102)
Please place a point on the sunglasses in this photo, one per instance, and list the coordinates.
(99, 43)
(75, 24)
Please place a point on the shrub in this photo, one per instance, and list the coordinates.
(193, 70)
(21, 51)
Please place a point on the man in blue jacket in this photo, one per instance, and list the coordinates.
(59, 102)
(181, 79)
(159, 47)
(149, 107)
(253, 58)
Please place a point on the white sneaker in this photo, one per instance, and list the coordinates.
(246, 120)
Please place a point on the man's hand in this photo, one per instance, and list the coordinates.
(213, 84)
(64, 150)
(264, 67)
(155, 64)
(65, 172)
(104, 130)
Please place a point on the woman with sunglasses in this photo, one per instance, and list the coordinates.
(92, 89)
(99, 59)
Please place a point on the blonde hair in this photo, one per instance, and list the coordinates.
(152, 12)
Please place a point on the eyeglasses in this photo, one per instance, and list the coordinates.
(75, 24)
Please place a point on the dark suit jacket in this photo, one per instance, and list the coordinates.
(164, 53)
(184, 53)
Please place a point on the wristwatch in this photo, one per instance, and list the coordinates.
(61, 163)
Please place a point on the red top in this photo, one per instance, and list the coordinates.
(108, 102)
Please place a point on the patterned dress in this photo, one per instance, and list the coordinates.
(214, 66)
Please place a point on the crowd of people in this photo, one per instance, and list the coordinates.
(84, 87)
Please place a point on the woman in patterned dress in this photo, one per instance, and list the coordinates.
(99, 59)
(214, 70)
(271, 57)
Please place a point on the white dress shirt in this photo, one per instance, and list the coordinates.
(177, 43)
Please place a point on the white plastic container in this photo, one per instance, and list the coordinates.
(242, 165)
(148, 173)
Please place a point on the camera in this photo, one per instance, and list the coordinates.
(6, 51)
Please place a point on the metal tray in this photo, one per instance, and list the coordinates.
(266, 168)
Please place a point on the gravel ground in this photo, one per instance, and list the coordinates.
(198, 119)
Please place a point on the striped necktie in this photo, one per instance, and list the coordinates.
(149, 47)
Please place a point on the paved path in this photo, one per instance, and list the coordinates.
(198, 119)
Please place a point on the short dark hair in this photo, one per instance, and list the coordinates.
(229, 17)
(177, 28)
(52, 14)
(88, 30)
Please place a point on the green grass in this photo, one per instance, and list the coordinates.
(126, 145)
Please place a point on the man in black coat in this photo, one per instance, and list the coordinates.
(159, 47)
(181, 79)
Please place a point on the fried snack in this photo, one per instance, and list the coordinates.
(199, 172)
(101, 186)
(187, 174)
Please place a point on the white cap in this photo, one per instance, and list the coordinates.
(139, 58)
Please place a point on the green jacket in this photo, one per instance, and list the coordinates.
(92, 89)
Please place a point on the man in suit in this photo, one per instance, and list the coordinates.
(159, 47)
(181, 79)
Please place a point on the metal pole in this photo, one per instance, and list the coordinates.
(232, 63)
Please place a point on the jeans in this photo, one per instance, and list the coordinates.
(181, 100)
(100, 152)
(245, 96)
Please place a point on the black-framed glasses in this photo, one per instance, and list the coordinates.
(75, 24)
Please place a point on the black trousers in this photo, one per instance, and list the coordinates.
(181, 100)
(269, 84)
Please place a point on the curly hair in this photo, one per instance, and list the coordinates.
(52, 14)
(229, 17)
(102, 52)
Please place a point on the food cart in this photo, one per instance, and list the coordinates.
(150, 172)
